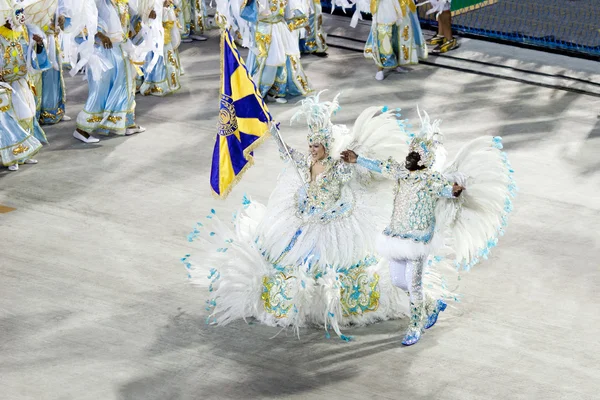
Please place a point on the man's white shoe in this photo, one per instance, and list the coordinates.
(199, 38)
(134, 130)
(90, 139)
(279, 100)
(379, 75)
(401, 70)
(30, 161)
(66, 118)
(14, 167)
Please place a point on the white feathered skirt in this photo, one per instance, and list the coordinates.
(286, 271)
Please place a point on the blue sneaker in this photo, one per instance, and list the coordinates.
(432, 318)
(415, 328)
(411, 337)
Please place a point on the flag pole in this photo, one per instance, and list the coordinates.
(274, 127)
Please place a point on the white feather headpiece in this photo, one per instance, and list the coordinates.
(429, 142)
(318, 117)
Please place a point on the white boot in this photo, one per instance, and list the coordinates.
(279, 100)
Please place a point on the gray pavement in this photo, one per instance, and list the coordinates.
(94, 302)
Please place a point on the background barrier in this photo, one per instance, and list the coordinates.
(566, 26)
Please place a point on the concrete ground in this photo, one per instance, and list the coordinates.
(94, 302)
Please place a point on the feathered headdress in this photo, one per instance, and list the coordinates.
(41, 13)
(429, 142)
(318, 117)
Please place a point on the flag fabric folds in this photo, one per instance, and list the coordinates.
(244, 121)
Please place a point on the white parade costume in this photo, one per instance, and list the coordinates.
(22, 56)
(308, 257)
(274, 57)
(396, 38)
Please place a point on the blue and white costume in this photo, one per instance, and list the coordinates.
(191, 15)
(314, 41)
(20, 132)
(429, 226)
(110, 107)
(163, 77)
(274, 58)
(20, 56)
(16, 144)
(50, 85)
(396, 38)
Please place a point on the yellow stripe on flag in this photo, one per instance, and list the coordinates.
(226, 174)
(252, 126)
(241, 86)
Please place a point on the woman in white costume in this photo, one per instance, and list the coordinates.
(308, 257)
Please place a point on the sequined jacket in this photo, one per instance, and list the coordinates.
(327, 198)
(416, 194)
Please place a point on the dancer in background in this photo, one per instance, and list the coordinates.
(198, 21)
(162, 76)
(19, 56)
(444, 41)
(312, 39)
(17, 146)
(396, 38)
(50, 84)
(110, 107)
(193, 18)
(274, 58)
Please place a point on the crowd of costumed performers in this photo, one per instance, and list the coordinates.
(122, 48)
(130, 47)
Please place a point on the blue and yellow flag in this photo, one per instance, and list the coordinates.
(243, 124)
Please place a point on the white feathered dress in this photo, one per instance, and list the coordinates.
(308, 257)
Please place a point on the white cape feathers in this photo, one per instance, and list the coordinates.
(479, 216)
(239, 272)
(40, 13)
(316, 113)
(6, 10)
